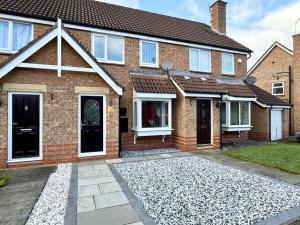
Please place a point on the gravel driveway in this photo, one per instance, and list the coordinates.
(191, 190)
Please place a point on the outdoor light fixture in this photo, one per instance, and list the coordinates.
(240, 60)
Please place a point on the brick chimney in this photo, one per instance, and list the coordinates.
(296, 83)
(218, 16)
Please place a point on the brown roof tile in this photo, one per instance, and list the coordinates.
(193, 84)
(153, 84)
(113, 17)
(239, 90)
(266, 97)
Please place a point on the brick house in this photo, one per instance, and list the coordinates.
(277, 72)
(105, 78)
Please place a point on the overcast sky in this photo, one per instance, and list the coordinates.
(254, 23)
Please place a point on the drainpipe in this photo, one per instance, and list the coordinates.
(270, 122)
(221, 134)
(290, 100)
(120, 136)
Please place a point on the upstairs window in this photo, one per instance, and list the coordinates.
(149, 54)
(200, 60)
(278, 88)
(227, 64)
(108, 48)
(14, 35)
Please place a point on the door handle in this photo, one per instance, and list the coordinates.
(25, 130)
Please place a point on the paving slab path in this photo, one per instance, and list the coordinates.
(104, 198)
(23, 190)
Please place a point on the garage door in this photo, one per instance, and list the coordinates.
(276, 126)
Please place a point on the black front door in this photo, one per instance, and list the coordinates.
(203, 122)
(25, 127)
(91, 124)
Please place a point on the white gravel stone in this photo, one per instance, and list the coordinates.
(191, 190)
(51, 205)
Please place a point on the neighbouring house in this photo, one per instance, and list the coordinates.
(270, 116)
(273, 72)
(82, 80)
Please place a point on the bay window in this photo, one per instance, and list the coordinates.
(152, 117)
(149, 54)
(235, 115)
(200, 60)
(14, 35)
(108, 49)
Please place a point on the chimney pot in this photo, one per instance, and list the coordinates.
(218, 16)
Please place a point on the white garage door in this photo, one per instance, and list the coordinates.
(276, 126)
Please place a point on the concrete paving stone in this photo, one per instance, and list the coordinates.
(85, 163)
(101, 166)
(180, 154)
(89, 190)
(134, 159)
(92, 173)
(98, 162)
(85, 204)
(94, 180)
(106, 172)
(165, 155)
(110, 200)
(118, 215)
(137, 223)
(111, 161)
(109, 187)
(85, 168)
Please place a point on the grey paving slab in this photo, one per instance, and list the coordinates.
(110, 187)
(106, 172)
(153, 157)
(94, 180)
(165, 155)
(111, 161)
(85, 168)
(137, 223)
(85, 204)
(134, 159)
(91, 173)
(110, 200)
(89, 190)
(101, 166)
(118, 215)
(71, 209)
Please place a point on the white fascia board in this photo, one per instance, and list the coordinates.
(55, 67)
(29, 52)
(273, 106)
(154, 95)
(241, 99)
(92, 63)
(125, 34)
(202, 95)
(281, 107)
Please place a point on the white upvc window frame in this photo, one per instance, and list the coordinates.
(10, 35)
(227, 126)
(280, 82)
(152, 65)
(199, 52)
(231, 73)
(105, 59)
(151, 131)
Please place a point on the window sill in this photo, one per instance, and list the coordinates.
(200, 71)
(237, 128)
(278, 94)
(111, 62)
(7, 52)
(149, 65)
(228, 74)
(152, 132)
